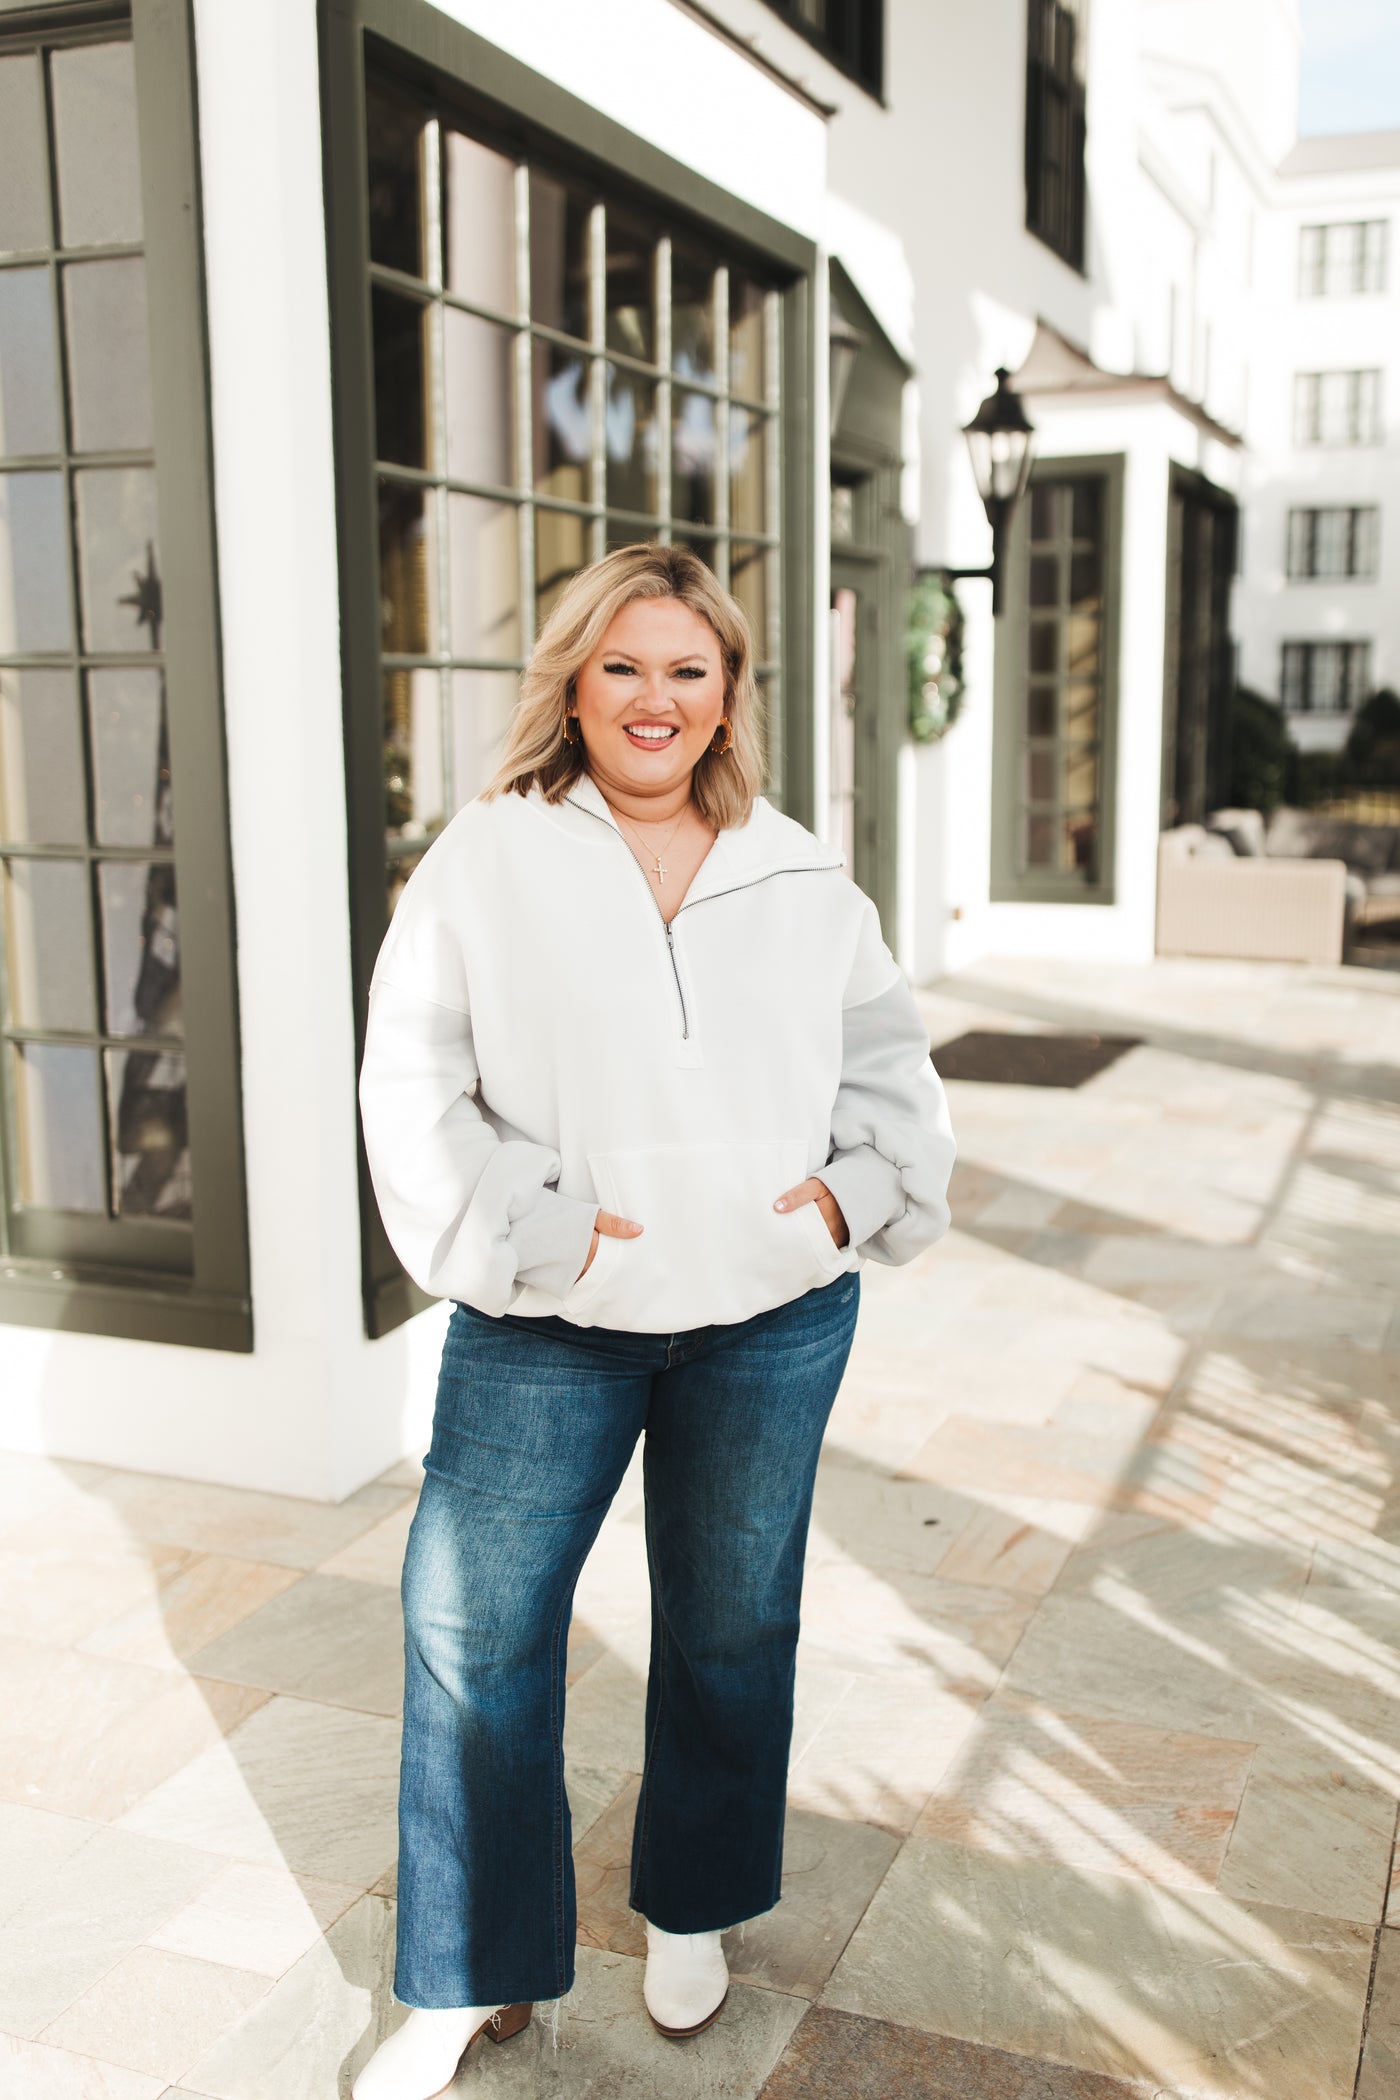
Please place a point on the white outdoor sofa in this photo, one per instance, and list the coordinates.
(1211, 901)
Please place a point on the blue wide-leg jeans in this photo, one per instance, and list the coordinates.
(536, 1420)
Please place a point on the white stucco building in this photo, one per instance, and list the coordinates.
(335, 333)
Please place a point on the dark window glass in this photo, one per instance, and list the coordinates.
(480, 363)
(851, 33)
(692, 316)
(140, 948)
(630, 287)
(561, 547)
(394, 128)
(633, 444)
(400, 378)
(1334, 543)
(1055, 127)
(559, 219)
(1325, 678)
(150, 1135)
(693, 457)
(1058, 819)
(563, 422)
(407, 568)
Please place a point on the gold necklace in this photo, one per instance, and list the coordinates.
(657, 869)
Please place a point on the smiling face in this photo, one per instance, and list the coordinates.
(650, 697)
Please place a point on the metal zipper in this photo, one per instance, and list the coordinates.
(665, 922)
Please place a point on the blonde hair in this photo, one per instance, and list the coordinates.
(537, 753)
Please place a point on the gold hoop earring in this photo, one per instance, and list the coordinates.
(720, 749)
(571, 729)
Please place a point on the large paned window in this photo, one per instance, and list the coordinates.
(1055, 688)
(103, 1178)
(1334, 542)
(557, 370)
(851, 33)
(1342, 261)
(1325, 678)
(549, 338)
(1337, 408)
(1055, 127)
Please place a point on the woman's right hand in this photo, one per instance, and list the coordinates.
(610, 1227)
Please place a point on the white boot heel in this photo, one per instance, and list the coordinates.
(686, 1982)
(419, 2060)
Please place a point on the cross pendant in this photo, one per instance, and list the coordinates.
(658, 871)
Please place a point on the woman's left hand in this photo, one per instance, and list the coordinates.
(814, 1191)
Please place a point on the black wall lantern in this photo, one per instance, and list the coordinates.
(1001, 440)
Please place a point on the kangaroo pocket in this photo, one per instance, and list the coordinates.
(713, 1250)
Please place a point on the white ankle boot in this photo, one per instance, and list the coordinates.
(420, 2059)
(687, 1980)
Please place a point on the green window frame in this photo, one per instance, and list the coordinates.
(406, 663)
(1055, 709)
(121, 1151)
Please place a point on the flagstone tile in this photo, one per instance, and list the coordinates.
(206, 1595)
(1022, 1545)
(257, 1918)
(326, 1638)
(88, 1911)
(1030, 1783)
(34, 2071)
(156, 2012)
(34, 1844)
(405, 1472)
(605, 1716)
(863, 1514)
(86, 1736)
(62, 1584)
(32, 1487)
(879, 1750)
(315, 1787)
(1312, 1834)
(1208, 1997)
(873, 1622)
(1380, 2060)
(244, 1522)
(1024, 1459)
(377, 1554)
(839, 2056)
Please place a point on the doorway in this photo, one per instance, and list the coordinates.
(1202, 539)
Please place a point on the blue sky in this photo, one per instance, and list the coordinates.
(1351, 65)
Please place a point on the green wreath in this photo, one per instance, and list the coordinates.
(933, 643)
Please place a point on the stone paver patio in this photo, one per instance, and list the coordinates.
(1098, 1747)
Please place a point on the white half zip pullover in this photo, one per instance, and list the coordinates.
(542, 1043)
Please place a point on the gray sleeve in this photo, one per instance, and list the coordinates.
(892, 1141)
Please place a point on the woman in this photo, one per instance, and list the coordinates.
(642, 1088)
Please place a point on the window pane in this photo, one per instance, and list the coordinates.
(1081, 844)
(632, 442)
(1366, 543)
(1300, 529)
(747, 373)
(484, 574)
(24, 175)
(1045, 512)
(400, 379)
(1040, 711)
(750, 582)
(41, 759)
(747, 445)
(562, 422)
(394, 128)
(478, 215)
(99, 166)
(407, 569)
(108, 355)
(1081, 708)
(415, 802)
(48, 944)
(631, 280)
(692, 315)
(58, 1108)
(1081, 781)
(150, 1134)
(1041, 783)
(482, 705)
(1044, 652)
(140, 948)
(693, 457)
(132, 799)
(480, 360)
(1088, 510)
(558, 256)
(1045, 579)
(116, 556)
(34, 603)
(1040, 842)
(29, 414)
(561, 547)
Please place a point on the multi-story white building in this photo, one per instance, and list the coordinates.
(307, 409)
(1319, 610)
